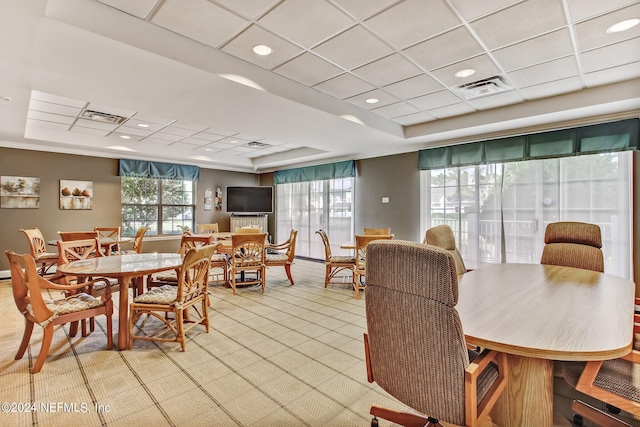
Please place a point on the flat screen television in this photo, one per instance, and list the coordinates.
(249, 200)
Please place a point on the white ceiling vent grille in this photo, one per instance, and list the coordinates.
(483, 87)
(102, 117)
(256, 144)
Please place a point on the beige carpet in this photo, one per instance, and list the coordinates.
(292, 356)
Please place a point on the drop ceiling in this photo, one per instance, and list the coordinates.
(177, 80)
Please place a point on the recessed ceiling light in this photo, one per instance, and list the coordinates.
(372, 101)
(623, 25)
(233, 141)
(125, 137)
(262, 49)
(143, 125)
(465, 73)
(207, 149)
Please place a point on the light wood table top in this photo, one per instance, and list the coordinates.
(124, 268)
(540, 313)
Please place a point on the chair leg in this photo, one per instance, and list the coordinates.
(73, 329)
(180, 326)
(44, 348)
(287, 268)
(327, 275)
(403, 418)
(109, 331)
(28, 329)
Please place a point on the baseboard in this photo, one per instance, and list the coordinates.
(5, 274)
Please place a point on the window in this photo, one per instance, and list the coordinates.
(313, 205)
(499, 212)
(162, 205)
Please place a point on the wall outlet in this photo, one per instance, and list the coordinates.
(385, 200)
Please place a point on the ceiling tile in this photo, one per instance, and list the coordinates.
(134, 123)
(583, 9)
(194, 19)
(613, 75)
(396, 110)
(139, 8)
(48, 107)
(413, 87)
(344, 86)
(55, 99)
(157, 141)
(541, 73)
(557, 87)
(412, 21)
(124, 137)
(242, 47)
(314, 21)
(452, 46)
(612, 56)
(353, 48)
(195, 141)
(434, 100)
(593, 33)
(46, 125)
(519, 22)
(134, 131)
(308, 69)
(534, 51)
(177, 130)
(167, 137)
(387, 70)
(496, 100)
(250, 9)
(55, 118)
(483, 65)
(451, 110)
(412, 119)
(110, 110)
(472, 9)
(363, 10)
(90, 131)
(382, 97)
(93, 124)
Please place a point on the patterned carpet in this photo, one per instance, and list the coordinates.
(292, 356)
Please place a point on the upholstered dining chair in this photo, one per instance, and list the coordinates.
(414, 345)
(442, 236)
(77, 235)
(27, 292)
(573, 244)
(334, 264)
(379, 231)
(362, 241)
(188, 301)
(109, 233)
(208, 228)
(247, 255)
(137, 243)
(283, 259)
(38, 250)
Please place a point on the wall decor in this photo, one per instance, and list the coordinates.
(218, 200)
(76, 194)
(207, 199)
(19, 192)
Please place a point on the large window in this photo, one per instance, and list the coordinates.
(313, 205)
(162, 205)
(499, 212)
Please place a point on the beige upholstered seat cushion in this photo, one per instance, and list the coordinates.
(71, 304)
(277, 257)
(342, 259)
(218, 258)
(166, 276)
(46, 256)
(166, 294)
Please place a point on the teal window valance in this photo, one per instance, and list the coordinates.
(344, 169)
(157, 170)
(604, 137)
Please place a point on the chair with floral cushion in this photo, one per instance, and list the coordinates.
(188, 301)
(285, 259)
(334, 264)
(27, 292)
(38, 250)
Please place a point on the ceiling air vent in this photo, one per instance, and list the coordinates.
(102, 117)
(256, 144)
(483, 87)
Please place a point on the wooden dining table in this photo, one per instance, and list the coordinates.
(537, 314)
(125, 268)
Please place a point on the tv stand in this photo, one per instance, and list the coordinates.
(240, 220)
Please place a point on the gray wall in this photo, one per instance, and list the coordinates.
(106, 212)
(398, 178)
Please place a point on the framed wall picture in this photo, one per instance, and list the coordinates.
(19, 192)
(76, 194)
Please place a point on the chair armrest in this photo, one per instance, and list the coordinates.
(478, 410)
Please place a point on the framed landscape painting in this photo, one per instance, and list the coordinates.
(19, 192)
(76, 194)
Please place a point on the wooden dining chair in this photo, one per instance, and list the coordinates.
(248, 230)
(77, 235)
(283, 259)
(109, 233)
(362, 241)
(28, 287)
(377, 231)
(247, 255)
(187, 300)
(442, 236)
(38, 250)
(335, 264)
(137, 243)
(414, 345)
(208, 228)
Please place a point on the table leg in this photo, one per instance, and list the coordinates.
(123, 314)
(527, 399)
